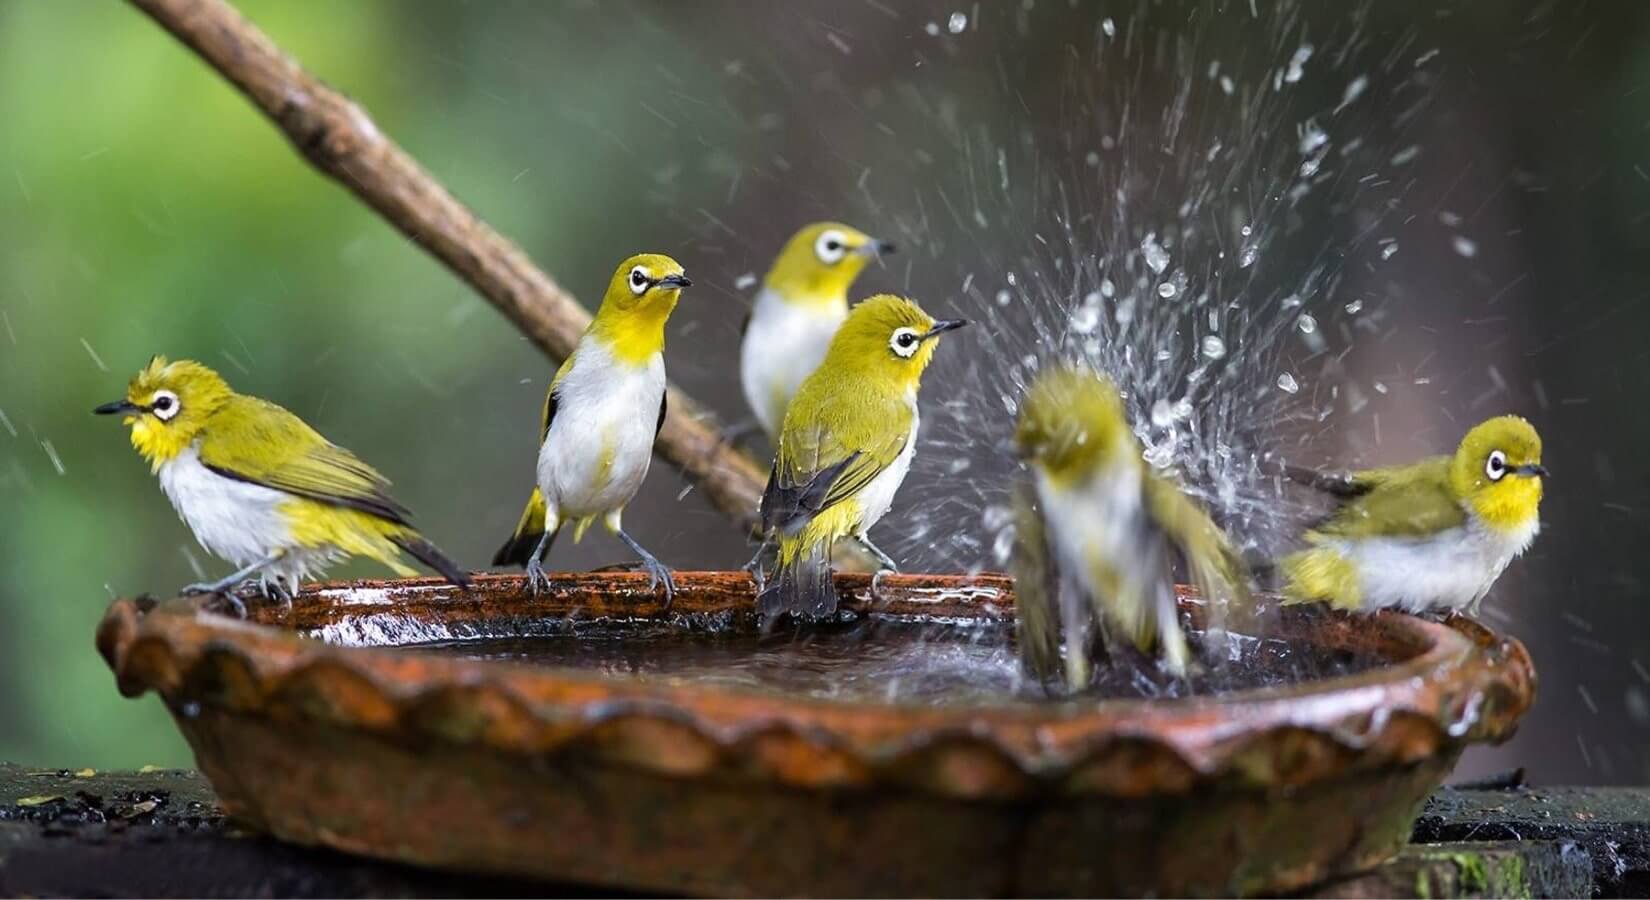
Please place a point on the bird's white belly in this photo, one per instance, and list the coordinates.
(877, 497)
(1101, 521)
(784, 344)
(1452, 570)
(600, 443)
(235, 520)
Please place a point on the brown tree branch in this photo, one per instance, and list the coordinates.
(341, 141)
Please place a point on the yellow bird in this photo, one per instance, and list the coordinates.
(1095, 530)
(847, 444)
(1433, 535)
(802, 303)
(601, 415)
(260, 488)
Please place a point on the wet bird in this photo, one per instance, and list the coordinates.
(1433, 535)
(803, 301)
(1097, 532)
(259, 487)
(846, 446)
(602, 413)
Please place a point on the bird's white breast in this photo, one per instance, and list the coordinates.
(783, 344)
(1450, 570)
(604, 408)
(235, 520)
(877, 496)
(1099, 520)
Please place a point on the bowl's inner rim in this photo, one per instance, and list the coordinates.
(1426, 644)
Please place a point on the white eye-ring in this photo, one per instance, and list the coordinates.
(165, 405)
(639, 281)
(831, 247)
(1496, 465)
(905, 341)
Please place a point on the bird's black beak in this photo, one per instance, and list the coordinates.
(944, 325)
(675, 281)
(117, 408)
(874, 247)
(1534, 470)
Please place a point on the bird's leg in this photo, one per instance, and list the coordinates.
(536, 579)
(754, 567)
(657, 570)
(885, 564)
(225, 587)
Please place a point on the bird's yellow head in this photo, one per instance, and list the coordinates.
(1071, 419)
(1497, 470)
(639, 300)
(167, 404)
(888, 339)
(821, 261)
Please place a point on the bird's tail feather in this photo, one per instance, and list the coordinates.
(525, 539)
(430, 555)
(801, 586)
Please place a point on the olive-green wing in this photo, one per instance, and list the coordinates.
(817, 468)
(1036, 587)
(257, 442)
(1398, 501)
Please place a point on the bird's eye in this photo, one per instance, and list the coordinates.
(830, 247)
(638, 280)
(904, 342)
(165, 405)
(1496, 465)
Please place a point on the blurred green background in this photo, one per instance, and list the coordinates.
(146, 208)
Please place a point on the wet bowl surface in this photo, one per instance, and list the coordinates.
(589, 735)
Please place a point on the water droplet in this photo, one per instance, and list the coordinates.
(1124, 313)
(1003, 546)
(1297, 64)
(1166, 290)
(1107, 289)
(1390, 250)
(745, 281)
(1355, 307)
(1306, 323)
(1214, 347)
(1247, 257)
(1156, 257)
(1226, 85)
(997, 517)
(956, 23)
(1162, 414)
(1086, 318)
(1092, 159)
(1003, 296)
(933, 28)
(1287, 383)
(1406, 155)
(1109, 27)
(1466, 246)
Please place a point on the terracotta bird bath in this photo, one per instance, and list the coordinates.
(633, 775)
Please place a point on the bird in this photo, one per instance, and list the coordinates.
(1431, 536)
(1096, 534)
(602, 414)
(847, 443)
(260, 488)
(803, 301)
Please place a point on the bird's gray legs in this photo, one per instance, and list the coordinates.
(754, 567)
(536, 579)
(885, 564)
(660, 574)
(225, 587)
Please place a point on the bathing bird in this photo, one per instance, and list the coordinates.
(1432, 535)
(259, 487)
(847, 443)
(1097, 532)
(602, 413)
(803, 300)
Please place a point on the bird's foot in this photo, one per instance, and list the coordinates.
(659, 574)
(876, 583)
(754, 568)
(536, 579)
(226, 589)
(277, 590)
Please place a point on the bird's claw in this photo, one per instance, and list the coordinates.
(658, 575)
(217, 589)
(876, 583)
(536, 579)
